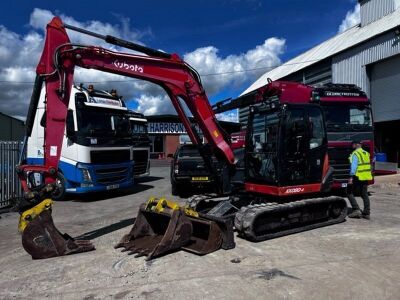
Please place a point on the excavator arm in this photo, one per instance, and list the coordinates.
(178, 79)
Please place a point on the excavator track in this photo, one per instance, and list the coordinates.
(260, 222)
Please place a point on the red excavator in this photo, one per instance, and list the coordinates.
(275, 185)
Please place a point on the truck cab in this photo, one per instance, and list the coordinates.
(96, 151)
(140, 144)
(348, 117)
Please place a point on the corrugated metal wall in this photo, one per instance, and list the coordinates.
(352, 65)
(243, 115)
(385, 92)
(10, 187)
(317, 74)
(372, 10)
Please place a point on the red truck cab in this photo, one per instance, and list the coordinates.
(348, 117)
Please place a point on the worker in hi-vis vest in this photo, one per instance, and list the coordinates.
(360, 173)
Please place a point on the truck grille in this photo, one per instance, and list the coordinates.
(111, 175)
(339, 161)
(141, 158)
(109, 157)
(110, 180)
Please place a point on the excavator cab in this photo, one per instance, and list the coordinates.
(286, 144)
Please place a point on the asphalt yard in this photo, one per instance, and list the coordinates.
(357, 259)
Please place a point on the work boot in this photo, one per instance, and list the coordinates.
(355, 214)
(366, 216)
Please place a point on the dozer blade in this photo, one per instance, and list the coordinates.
(163, 226)
(41, 239)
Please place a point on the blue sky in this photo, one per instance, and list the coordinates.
(214, 36)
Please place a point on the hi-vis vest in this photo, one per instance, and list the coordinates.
(363, 171)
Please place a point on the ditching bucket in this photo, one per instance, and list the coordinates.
(206, 237)
(163, 226)
(40, 237)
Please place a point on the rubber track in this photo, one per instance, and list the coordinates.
(247, 215)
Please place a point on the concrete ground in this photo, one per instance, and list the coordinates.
(358, 259)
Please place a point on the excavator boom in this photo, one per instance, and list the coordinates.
(56, 69)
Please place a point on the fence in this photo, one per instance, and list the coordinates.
(10, 186)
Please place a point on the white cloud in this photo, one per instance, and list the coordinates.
(234, 70)
(352, 18)
(40, 17)
(230, 116)
(155, 104)
(19, 55)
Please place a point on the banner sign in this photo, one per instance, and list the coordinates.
(105, 101)
(165, 127)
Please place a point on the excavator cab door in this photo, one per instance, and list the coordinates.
(294, 140)
(303, 144)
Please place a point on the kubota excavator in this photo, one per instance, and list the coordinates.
(272, 187)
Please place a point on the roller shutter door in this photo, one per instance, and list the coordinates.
(385, 90)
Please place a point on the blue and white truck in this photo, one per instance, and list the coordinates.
(97, 146)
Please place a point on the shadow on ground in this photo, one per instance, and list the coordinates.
(148, 179)
(108, 195)
(106, 229)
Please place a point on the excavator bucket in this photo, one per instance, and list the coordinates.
(206, 237)
(40, 237)
(163, 226)
(156, 233)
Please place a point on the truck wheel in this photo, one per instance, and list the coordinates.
(59, 194)
(174, 189)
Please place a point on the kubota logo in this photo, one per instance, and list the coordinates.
(126, 66)
(294, 190)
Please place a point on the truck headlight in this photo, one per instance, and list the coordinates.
(86, 175)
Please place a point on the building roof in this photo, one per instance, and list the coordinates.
(10, 117)
(341, 42)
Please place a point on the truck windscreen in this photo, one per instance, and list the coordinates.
(348, 118)
(102, 122)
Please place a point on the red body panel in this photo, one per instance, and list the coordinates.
(283, 191)
(238, 139)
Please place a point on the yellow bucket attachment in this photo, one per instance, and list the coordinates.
(40, 237)
(162, 226)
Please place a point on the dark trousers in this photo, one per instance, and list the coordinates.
(355, 188)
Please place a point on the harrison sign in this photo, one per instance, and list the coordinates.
(166, 127)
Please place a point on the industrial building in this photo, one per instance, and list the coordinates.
(367, 55)
(166, 133)
(12, 129)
